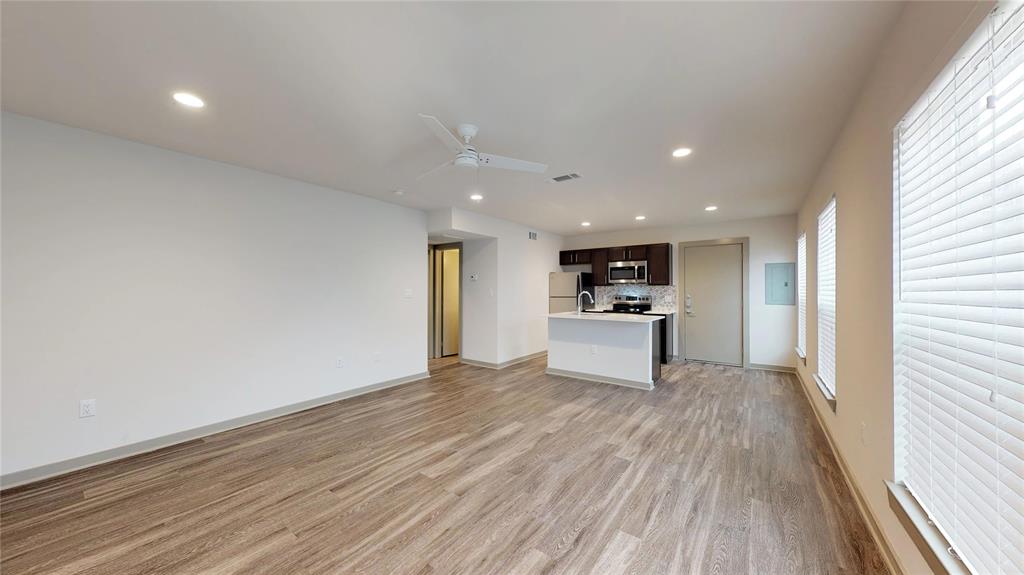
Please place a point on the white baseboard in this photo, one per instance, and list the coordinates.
(503, 364)
(600, 378)
(768, 367)
(49, 470)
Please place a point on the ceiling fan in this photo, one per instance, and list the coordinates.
(466, 155)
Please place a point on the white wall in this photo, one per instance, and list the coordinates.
(858, 172)
(180, 292)
(506, 308)
(479, 300)
(772, 327)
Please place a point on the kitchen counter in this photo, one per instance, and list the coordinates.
(599, 316)
(654, 311)
(617, 348)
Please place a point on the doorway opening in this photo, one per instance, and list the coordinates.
(444, 335)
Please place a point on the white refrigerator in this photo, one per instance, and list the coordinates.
(563, 287)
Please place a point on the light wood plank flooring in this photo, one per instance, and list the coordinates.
(718, 470)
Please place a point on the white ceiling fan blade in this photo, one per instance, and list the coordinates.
(492, 161)
(442, 133)
(427, 173)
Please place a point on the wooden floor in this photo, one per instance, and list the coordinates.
(437, 363)
(718, 470)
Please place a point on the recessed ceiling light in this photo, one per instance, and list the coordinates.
(585, 224)
(710, 208)
(189, 100)
(681, 152)
(641, 218)
(476, 197)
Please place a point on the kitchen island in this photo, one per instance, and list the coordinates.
(621, 349)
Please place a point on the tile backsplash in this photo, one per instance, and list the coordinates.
(661, 296)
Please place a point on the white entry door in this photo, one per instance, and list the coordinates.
(713, 303)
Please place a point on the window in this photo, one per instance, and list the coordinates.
(801, 295)
(826, 376)
(958, 298)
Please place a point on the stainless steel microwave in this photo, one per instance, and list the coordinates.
(627, 272)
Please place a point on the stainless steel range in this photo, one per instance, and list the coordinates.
(631, 304)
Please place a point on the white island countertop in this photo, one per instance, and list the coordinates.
(613, 317)
(654, 310)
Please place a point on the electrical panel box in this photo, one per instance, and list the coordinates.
(780, 284)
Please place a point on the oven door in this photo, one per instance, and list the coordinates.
(627, 273)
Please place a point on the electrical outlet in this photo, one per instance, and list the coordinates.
(339, 363)
(87, 408)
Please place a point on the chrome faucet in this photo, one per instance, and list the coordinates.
(579, 301)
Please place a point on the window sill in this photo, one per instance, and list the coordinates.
(802, 355)
(831, 399)
(929, 540)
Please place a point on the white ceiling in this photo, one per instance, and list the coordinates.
(329, 93)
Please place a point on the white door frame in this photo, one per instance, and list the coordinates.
(681, 296)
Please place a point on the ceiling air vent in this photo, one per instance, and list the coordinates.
(565, 178)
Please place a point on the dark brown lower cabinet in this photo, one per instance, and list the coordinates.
(657, 349)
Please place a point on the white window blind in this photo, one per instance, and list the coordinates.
(827, 297)
(801, 294)
(958, 316)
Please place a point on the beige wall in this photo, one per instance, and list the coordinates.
(858, 171)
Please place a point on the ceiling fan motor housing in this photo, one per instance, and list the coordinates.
(467, 159)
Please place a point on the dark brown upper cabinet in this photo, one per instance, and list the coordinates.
(599, 264)
(659, 264)
(573, 257)
(617, 254)
(658, 257)
(627, 253)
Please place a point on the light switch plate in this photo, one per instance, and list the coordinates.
(87, 408)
